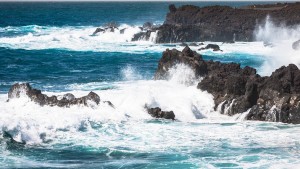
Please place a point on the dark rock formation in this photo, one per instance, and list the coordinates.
(37, 96)
(222, 23)
(296, 45)
(173, 57)
(158, 113)
(237, 90)
(109, 27)
(142, 35)
(98, 30)
(214, 47)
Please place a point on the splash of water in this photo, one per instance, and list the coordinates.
(281, 38)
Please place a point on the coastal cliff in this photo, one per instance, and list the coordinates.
(221, 23)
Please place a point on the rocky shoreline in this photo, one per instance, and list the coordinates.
(237, 90)
(219, 23)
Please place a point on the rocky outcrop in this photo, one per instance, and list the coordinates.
(172, 57)
(109, 27)
(222, 23)
(158, 113)
(237, 90)
(146, 31)
(37, 96)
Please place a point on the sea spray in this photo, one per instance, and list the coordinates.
(281, 38)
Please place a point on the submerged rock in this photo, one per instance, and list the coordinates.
(158, 113)
(42, 99)
(237, 90)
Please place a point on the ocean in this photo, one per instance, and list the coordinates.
(51, 45)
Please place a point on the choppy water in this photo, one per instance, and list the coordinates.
(50, 45)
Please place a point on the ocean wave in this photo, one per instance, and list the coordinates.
(76, 38)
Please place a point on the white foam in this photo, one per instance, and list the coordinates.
(35, 37)
(282, 38)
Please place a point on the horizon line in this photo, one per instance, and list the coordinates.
(147, 1)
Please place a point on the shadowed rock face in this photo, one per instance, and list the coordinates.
(222, 23)
(37, 96)
(236, 90)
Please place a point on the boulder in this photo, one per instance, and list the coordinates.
(158, 113)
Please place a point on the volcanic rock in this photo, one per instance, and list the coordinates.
(237, 90)
(17, 90)
(214, 47)
(222, 23)
(188, 57)
(158, 113)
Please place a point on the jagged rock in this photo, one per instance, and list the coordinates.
(222, 23)
(214, 47)
(158, 113)
(141, 36)
(98, 30)
(236, 90)
(296, 45)
(42, 99)
(108, 27)
(172, 57)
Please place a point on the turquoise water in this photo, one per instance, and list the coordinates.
(50, 46)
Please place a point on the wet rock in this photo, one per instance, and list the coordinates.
(214, 47)
(69, 97)
(236, 90)
(109, 103)
(24, 89)
(158, 113)
(98, 30)
(296, 45)
(188, 57)
(108, 27)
